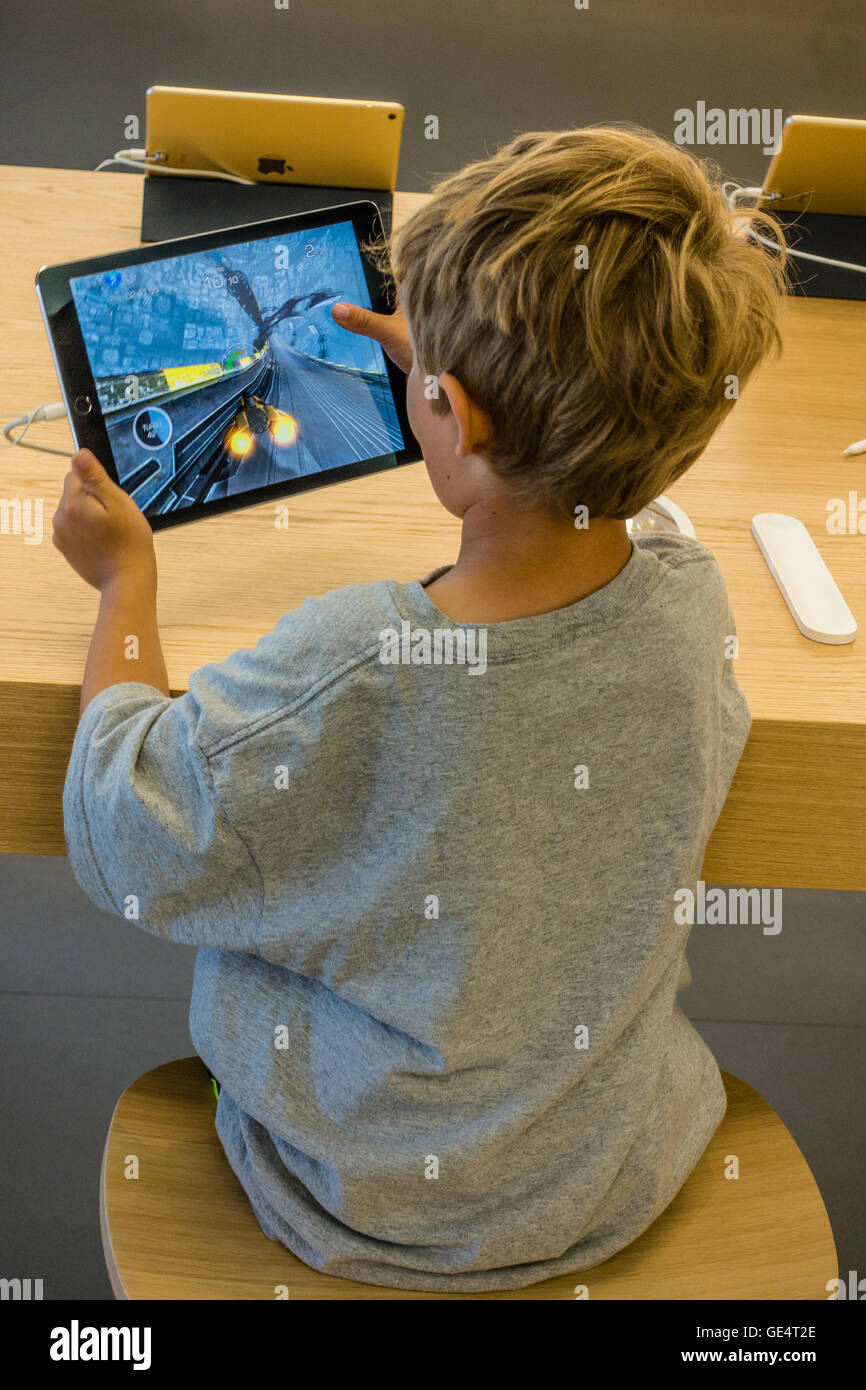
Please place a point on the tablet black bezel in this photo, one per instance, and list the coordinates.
(76, 380)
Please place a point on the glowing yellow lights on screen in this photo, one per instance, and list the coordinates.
(240, 442)
(284, 430)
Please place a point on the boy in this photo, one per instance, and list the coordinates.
(440, 943)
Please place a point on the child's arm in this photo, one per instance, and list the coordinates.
(107, 540)
(127, 610)
(148, 834)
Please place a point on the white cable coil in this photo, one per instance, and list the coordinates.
(142, 163)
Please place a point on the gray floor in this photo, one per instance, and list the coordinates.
(89, 1003)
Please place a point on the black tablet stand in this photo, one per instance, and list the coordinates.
(175, 206)
(826, 234)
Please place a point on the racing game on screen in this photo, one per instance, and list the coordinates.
(223, 371)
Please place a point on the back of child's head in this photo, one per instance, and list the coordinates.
(593, 293)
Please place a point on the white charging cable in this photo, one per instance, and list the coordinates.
(142, 162)
(738, 197)
(34, 417)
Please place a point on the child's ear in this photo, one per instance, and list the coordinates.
(474, 426)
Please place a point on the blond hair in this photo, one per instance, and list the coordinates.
(593, 293)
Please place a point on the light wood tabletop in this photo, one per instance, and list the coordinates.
(796, 815)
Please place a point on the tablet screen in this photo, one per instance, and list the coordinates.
(222, 371)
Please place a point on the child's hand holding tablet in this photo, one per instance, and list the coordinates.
(99, 529)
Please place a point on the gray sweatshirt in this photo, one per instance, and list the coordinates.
(436, 905)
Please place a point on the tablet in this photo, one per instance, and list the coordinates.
(820, 167)
(207, 373)
(272, 138)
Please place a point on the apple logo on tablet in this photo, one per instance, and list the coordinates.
(274, 166)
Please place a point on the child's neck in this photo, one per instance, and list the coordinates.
(518, 565)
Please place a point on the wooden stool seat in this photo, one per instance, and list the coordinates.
(183, 1229)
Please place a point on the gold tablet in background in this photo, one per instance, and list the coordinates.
(275, 139)
(820, 166)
